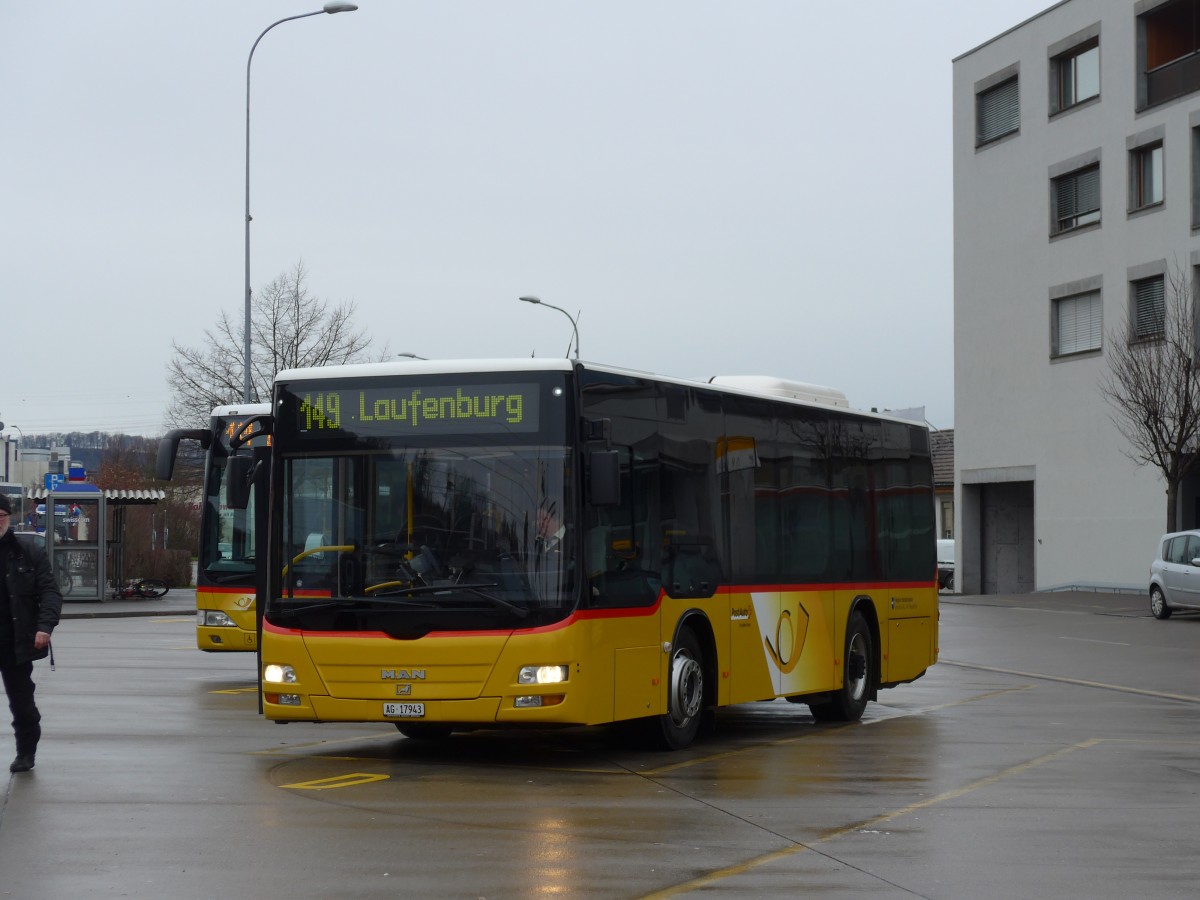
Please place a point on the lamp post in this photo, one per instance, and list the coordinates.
(574, 326)
(334, 6)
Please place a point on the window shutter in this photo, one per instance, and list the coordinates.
(1066, 201)
(998, 111)
(1088, 187)
(1080, 323)
(1149, 307)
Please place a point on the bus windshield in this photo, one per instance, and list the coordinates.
(228, 544)
(412, 532)
(408, 503)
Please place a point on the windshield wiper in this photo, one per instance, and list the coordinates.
(479, 590)
(349, 602)
(409, 593)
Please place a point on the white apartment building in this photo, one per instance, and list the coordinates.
(1076, 196)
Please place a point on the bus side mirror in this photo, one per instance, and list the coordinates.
(604, 477)
(239, 476)
(168, 447)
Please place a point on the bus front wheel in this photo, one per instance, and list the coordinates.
(685, 696)
(858, 676)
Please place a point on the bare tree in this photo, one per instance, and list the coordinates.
(1153, 388)
(289, 328)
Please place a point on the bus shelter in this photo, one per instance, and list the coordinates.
(84, 528)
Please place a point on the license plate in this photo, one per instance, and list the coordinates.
(404, 710)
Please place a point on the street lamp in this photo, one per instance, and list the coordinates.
(412, 356)
(334, 6)
(574, 326)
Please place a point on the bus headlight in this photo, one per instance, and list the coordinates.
(543, 674)
(213, 618)
(276, 674)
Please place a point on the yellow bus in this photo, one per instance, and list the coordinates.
(229, 535)
(457, 545)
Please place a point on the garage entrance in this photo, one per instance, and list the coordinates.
(1006, 538)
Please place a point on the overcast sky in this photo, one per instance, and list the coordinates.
(751, 187)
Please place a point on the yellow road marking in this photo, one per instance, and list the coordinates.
(242, 690)
(167, 620)
(759, 861)
(338, 781)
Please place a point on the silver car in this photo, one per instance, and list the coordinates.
(1175, 574)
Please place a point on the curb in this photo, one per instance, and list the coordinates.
(180, 602)
(125, 614)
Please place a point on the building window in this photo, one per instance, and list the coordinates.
(1076, 324)
(1076, 75)
(1196, 177)
(1076, 199)
(1168, 52)
(997, 111)
(1149, 308)
(1146, 176)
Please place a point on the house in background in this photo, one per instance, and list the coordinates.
(941, 445)
(1076, 197)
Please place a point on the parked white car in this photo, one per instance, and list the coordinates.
(1175, 574)
(945, 564)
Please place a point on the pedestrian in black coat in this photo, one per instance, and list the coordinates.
(30, 604)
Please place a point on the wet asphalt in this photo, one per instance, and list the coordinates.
(1053, 752)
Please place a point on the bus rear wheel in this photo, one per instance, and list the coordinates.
(685, 697)
(858, 676)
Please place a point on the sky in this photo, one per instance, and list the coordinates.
(712, 188)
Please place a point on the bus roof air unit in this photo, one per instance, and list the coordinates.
(781, 387)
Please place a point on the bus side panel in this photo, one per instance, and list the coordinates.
(783, 643)
(637, 676)
(908, 631)
(909, 648)
(236, 603)
(630, 644)
(810, 665)
(752, 675)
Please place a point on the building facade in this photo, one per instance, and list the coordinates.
(26, 468)
(1076, 206)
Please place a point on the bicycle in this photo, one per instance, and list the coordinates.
(62, 574)
(141, 588)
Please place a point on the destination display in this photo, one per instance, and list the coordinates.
(435, 409)
(234, 427)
